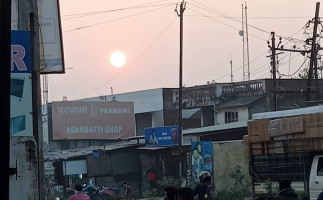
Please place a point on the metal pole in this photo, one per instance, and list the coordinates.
(273, 57)
(180, 93)
(313, 53)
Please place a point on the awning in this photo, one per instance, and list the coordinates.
(153, 148)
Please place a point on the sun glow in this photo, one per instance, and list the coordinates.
(118, 59)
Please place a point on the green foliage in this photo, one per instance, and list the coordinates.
(161, 184)
(270, 187)
(237, 175)
(169, 181)
(240, 189)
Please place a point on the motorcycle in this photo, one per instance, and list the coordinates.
(113, 193)
(94, 192)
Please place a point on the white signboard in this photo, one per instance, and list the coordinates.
(74, 167)
(52, 59)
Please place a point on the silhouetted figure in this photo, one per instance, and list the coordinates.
(285, 191)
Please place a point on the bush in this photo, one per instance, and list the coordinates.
(240, 189)
(159, 191)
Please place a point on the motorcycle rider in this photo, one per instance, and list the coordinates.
(204, 189)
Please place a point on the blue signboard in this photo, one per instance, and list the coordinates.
(162, 136)
(202, 158)
(20, 52)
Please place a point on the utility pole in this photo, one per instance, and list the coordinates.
(180, 90)
(313, 54)
(5, 58)
(28, 20)
(231, 70)
(273, 64)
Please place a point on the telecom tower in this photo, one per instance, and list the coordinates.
(244, 34)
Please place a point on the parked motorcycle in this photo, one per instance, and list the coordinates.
(113, 193)
(94, 192)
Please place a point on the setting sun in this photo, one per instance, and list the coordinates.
(118, 59)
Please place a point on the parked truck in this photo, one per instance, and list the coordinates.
(287, 144)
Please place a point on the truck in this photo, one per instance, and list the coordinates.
(287, 145)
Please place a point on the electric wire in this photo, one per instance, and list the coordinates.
(81, 15)
(138, 57)
(100, 23)
(225, 24)
(232, 18)
(228, 17)
(297, 69)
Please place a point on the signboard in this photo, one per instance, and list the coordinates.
(92, 120)
(21, 90)
(162, 136)
(52, 57)
(74, 167)
(196, 97)
(202, 158)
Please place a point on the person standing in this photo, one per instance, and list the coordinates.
(197, 164)
(285, 191)
(152, 176)
(78, 194)
(153, 138)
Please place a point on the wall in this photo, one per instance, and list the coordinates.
(23, 153)
(227, 155)
(242, 114)
(157, 119)
(144, 101)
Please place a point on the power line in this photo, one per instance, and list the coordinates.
(130, 65)
(80, 15)
(82, 27)
(226, 16)
(225, 24)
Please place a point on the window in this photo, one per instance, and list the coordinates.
(320, 167)
(231, 117)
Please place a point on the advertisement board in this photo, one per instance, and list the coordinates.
(202, 158)
(162, 136)
(52, 56)
(20, 85)
(92, 120)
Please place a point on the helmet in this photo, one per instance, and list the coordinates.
(205, 176)
(124, 183)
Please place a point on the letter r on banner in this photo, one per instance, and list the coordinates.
(17, 55)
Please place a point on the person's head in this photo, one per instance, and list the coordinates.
(170, 192)
(185, 193)
(78, 188)
(284, 184)
(205, 177)
(195, 154)
(199, 147)
(174, 132)
(153, 133)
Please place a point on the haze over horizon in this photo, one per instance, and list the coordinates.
(147, 32)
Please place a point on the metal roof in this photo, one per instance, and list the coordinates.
(153, 147)
(70, 153)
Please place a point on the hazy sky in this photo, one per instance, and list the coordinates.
(147, 31)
